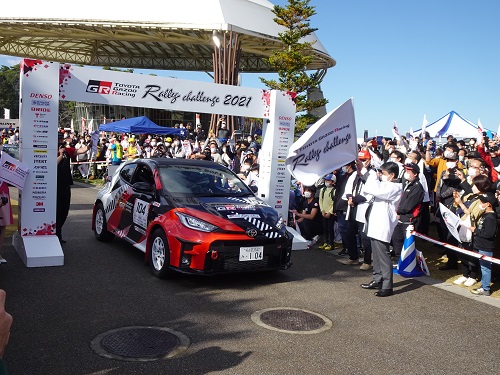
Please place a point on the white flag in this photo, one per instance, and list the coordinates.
(424, 125)
(95, 141)
(6, 113)
(451, 220)
(91, 126)
(327, 145)
(84, 169)
(480, 131)
(395, 131)
(72, 126)
(12, 171)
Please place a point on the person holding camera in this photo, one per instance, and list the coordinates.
(223, 132)
(64, 182)
(449, 182)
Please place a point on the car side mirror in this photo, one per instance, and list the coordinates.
(143, 187)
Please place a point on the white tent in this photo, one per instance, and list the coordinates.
(451, 124)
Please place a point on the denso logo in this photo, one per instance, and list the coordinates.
(40, 96)
(286, 118)
(99, 87)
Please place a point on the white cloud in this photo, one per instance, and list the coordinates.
(9, 60)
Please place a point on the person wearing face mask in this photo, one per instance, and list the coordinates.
(381, 220)
(223, 132)
(245, 168)
(486, 156)
(462, 156)
(214, 153)
(357, 205)
(449, 182)
(469, 206)
(398, 157)
(252, 179)
(340, 204)
(450, 156)
(308, 217)
(425, 178)
(326, 196)
(484, 239)
(409, 207)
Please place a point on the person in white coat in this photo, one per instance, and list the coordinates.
(381, 222)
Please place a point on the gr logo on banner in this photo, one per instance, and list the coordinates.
(99, 87)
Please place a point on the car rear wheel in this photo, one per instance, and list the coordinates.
(159, 255)
(100, 226)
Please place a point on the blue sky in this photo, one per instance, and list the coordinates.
(401, 59)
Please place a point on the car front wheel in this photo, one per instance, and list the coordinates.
(159, 255)
(100, 226)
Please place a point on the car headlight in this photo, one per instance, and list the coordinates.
(279, 224)
(194, 223)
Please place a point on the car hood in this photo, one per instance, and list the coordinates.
(243, 211)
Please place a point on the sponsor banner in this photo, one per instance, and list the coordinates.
(278, 136)
(140, 90)
(39, 109)
(327, 145)
(12, 171)
(9, 123)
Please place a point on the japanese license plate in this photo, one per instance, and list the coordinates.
(251, 253)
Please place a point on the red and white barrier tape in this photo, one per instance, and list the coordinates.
(455, 248)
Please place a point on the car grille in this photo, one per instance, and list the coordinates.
(275, 256)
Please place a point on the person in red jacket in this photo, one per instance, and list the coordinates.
(493, 174)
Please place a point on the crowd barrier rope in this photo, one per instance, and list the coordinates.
(470, 253)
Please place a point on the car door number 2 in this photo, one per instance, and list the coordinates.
(141, 211)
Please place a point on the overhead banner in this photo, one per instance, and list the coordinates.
(327, 145)
(139, 90)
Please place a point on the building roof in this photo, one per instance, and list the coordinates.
(149, 35)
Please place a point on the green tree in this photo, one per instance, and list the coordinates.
(291, 62)
(9, 89)
(66, 113)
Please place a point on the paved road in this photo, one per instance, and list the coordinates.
(58, 311)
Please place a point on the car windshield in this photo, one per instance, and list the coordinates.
(203, 181)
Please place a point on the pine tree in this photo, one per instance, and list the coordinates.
(291, 62)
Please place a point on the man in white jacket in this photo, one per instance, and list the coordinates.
(381, 222)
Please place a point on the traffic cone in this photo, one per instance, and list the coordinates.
(407, 264)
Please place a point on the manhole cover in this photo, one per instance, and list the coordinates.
(291, 320)
(140, 343)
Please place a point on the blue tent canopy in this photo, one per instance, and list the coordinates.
(139, 125)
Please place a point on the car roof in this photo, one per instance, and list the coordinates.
(159, 162)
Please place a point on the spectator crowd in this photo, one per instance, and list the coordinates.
(366, 207)
(241, 155)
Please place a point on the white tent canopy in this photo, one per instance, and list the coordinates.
(451, 124)
(171, 35)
